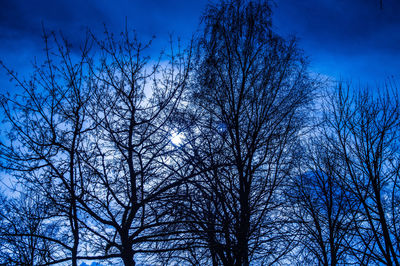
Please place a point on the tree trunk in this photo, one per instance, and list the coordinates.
(75, 248)
(243, 254)
(127, 256)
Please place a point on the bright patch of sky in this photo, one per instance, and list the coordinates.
(177, 138)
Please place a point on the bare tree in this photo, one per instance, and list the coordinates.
(365, 136)
(248, 98)
(90, 145)
(91, 133)
(128, 161)
(321, 206)
(47, 128)
(25, 233)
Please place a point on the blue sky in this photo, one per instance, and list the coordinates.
(343, 39)
(346, 39)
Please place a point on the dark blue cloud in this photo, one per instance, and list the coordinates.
(343, 39)
(346, 39)
(21, 19)
(21, 24)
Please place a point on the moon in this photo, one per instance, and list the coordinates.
(177, 138)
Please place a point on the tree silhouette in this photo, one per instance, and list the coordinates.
(47, 122)
(202, 155)
(87, 137)
(24, 238)
(364, 134)
(249, 96)
(323, 209)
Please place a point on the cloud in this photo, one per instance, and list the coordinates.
(21, 19)
(338, 35)
(344, 37)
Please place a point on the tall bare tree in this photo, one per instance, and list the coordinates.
(90, 132)
(47, 122)
(364, 131)
(249, 98)
(128, 161)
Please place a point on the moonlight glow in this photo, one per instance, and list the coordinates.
(177, 138)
